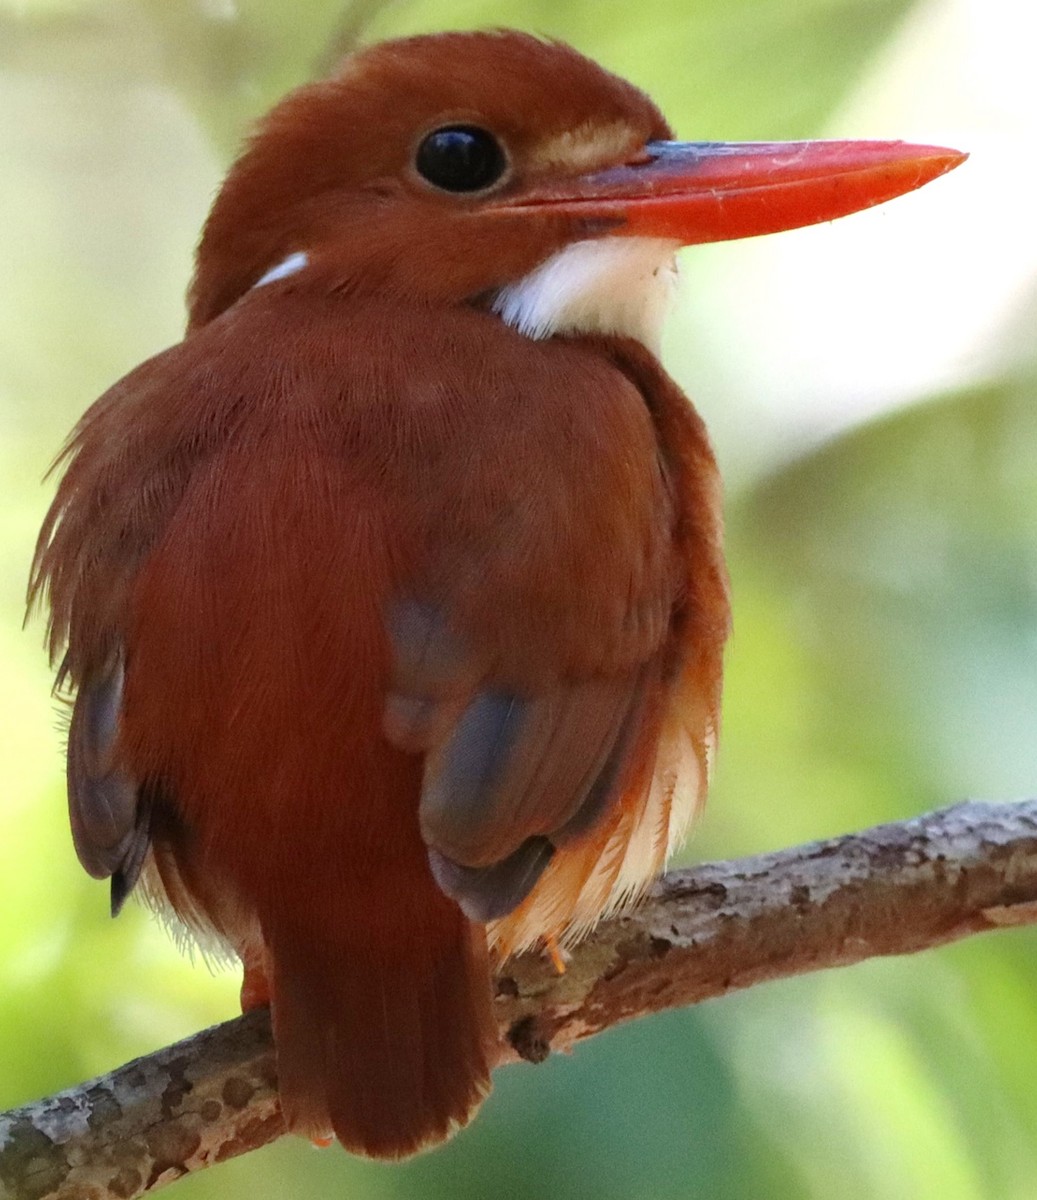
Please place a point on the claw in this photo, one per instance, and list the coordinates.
(555, 953)
(255, 986)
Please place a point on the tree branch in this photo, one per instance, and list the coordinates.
(701, 933)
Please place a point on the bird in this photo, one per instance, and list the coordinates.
(390, 603)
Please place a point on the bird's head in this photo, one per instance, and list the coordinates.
(506, 171)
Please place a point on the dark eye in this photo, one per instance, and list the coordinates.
(460, 158)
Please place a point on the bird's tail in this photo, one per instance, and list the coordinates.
(384, 1030)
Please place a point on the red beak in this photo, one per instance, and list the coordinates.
(715, 191)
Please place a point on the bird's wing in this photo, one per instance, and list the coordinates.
(109, 814)
(127, 465)
(528, 666)
(511, 772)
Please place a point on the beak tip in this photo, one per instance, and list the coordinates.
(944, 158)
(929, 162)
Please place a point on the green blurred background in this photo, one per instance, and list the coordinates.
(870, 385)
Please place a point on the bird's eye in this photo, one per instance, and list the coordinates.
(461, 158)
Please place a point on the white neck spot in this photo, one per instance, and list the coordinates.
(288, 266)
(617, 285)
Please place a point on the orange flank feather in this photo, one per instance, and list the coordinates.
(392, 598)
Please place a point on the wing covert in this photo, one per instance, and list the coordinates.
(110, 819)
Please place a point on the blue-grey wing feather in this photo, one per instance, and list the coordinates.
(509, 774)
(110, 824)
(487, 893)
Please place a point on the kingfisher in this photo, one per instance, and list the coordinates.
(392, 598)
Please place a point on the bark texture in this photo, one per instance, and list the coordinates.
(700, 933)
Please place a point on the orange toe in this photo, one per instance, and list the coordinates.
(255, 987)
(555, 953)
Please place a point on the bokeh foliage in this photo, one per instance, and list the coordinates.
(884, 661)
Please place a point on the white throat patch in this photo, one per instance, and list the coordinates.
(621, 285)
